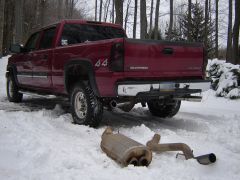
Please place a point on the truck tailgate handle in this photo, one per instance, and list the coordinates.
(168, 51)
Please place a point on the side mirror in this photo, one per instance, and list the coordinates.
(16, 48)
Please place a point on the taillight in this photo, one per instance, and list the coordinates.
(117, 58)
(205, 62)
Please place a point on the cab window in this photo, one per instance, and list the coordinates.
(31, 44)
(47, 38)
(81, 33)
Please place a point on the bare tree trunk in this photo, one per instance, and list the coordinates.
(236, 58)
(107, 4)
(171, 21)
(72, 4)
(127, 15)
(189, 20)
(135, 19)
(143, 20)
(18, 21)
(119, 12)
(2, 5)
(113, 12)
(9, 16)
(229, 38)
(59, 9)
(151, 16)
(156, 20)
(205, 24)
(96, 8)
(216, 29)
(42, 12)
(100, 11)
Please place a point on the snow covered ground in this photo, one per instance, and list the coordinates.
(38, 141)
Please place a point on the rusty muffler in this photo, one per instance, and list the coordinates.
(186, 150)
(125, 150)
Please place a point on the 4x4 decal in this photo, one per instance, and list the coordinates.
(101, 62)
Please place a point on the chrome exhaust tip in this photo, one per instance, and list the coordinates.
(206, 159)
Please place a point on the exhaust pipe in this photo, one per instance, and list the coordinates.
(113, 104)
(187, 152)
(126, 107)
(206, 159)
(125, 150)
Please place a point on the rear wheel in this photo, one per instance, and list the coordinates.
(86, 107)
(12, 90)
(164, 109)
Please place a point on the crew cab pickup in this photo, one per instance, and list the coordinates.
(96, 66)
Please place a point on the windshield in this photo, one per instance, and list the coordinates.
(80, 33)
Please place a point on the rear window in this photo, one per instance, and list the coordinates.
(80, 33)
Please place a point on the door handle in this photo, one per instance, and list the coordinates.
(167, 51)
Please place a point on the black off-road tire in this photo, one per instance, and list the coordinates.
(86, 107)
(164, 110)
(12, 90)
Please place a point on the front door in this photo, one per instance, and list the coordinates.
(24, 65)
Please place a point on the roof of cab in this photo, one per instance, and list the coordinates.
(79, 21)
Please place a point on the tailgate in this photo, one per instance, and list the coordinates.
(163, 58)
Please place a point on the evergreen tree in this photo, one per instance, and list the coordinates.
(196, 27)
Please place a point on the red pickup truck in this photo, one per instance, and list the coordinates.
(96, 66)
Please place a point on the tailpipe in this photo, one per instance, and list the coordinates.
(186, 150)
(206, 159)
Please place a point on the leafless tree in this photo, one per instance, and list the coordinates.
(151, 16)
(2, 5)
(60, 9)
(206, 22)
(189, 18)
(100, 10)
(143, 19)
(236, 58)
(106, 9)
(113, 12)
(171, 20)
(135, 19)
(119, 11)
(127, 14)
(96, 9)
(229, 38)
(42, 12)
(18, 21)
(216, 28)
(156, 19)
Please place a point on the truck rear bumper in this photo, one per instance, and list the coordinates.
(164, 88)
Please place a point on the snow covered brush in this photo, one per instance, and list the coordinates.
(187, 152)
(125, 150)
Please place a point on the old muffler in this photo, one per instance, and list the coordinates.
(125, 150)
(187, 152)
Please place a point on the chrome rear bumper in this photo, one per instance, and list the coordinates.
(133, 89)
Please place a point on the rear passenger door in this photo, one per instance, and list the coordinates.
(42, 62)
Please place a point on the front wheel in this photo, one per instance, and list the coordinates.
(86, 107)
(164, 109)
(12, 90)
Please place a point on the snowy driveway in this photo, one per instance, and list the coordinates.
(38, 141)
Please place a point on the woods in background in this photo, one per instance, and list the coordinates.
(190, 20)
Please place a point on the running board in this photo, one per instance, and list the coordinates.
(37, 95)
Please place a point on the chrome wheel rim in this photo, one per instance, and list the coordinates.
(10, 88)
(80, 105)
